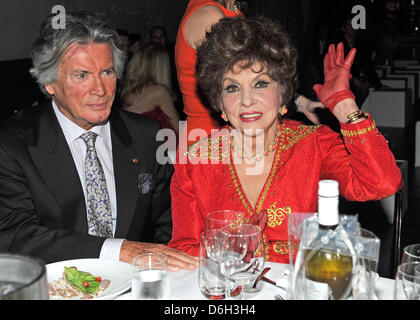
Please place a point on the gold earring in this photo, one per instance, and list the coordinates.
(283, 110)
(224, 117)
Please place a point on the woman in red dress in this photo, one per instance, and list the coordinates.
(262, 162)
(198, 18)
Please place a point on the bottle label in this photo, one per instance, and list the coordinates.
(316, 290)
(328, 211)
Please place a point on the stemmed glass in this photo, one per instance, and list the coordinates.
(215, 222)
(407, 282)
(241, 256)
(411, 253)
(407, 279)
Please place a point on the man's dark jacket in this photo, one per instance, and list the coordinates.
(42, 205)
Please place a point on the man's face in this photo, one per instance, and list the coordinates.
(86, 84)
(124, 43)
(158, 36)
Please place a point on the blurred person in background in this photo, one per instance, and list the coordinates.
(124, 39)
(136, 42)
(363, 71)
(198, 18)
(146, 88)
(159, 35)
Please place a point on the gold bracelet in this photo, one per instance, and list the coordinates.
(356, 116)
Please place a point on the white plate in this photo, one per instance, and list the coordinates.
(119, 273)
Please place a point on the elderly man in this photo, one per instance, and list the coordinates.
(79, 179)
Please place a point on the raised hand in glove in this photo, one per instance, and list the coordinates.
(336, 85)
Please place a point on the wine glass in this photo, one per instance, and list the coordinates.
(215, 221)
(211, 280)
(407, 282)
(411, 253)
(241, 256)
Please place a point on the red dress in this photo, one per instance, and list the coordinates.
(198, 116)
(157, 114)
(359, 160)
(163, 120)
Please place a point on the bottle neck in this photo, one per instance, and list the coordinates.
(322, 227)
(328, 211)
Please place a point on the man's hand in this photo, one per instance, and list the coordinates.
(177, 260)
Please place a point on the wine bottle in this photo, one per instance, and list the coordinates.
(329, 263)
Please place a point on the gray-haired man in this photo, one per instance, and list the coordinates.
(79, 179)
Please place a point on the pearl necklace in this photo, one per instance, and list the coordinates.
(256, 157)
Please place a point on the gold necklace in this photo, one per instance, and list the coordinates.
(257, 157)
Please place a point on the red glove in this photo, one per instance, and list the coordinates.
(336, 85)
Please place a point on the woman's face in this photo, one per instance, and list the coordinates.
(251, 100)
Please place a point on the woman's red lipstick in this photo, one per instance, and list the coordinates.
(250, 116)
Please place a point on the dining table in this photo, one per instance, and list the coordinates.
(184, 285)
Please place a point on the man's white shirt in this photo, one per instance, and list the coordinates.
(111, 247)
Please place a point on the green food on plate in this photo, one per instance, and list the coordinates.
(84, 281)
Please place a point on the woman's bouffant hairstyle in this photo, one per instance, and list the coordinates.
(246, 40)
(148, 66)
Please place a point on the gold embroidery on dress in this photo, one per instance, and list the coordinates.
(277, 215)
(212, 148)
(239, 191)
(266, 186)
(281, 247)
(355, 133)
(291, 136)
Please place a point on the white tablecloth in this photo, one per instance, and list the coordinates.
(184, 285)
